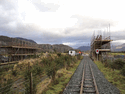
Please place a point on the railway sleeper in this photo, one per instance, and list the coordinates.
(77, 90)
(75, 82)
(88, 79)
(88, 86)
(88, 82)
(74, 85)
(89, 91)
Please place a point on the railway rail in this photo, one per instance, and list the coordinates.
(88, 84)
(88, 79)
(82, 82)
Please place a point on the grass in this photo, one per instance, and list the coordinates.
(113, 76)
(116, 53)
(17, 72)
(62, 78)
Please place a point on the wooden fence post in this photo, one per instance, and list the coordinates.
(31, 81)
(31, 84)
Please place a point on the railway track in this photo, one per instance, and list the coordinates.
(83, 81)
(88, 84)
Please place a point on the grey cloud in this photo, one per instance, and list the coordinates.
(8, 4)
(8, 14)
(41, 6)
(51, 37)
(69, 30)
(92, 23)
(118, 35)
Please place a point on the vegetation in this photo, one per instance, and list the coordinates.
(63, 77)
(58, 54)
(123, 71)
(114, 72)
(6, 68)
(8, 84)
(14, 72)
(117, 53)
(47, 64)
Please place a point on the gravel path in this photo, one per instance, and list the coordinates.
(104, 87)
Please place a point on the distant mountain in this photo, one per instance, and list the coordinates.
(4, 41)
(118, 48)
(84, 48)
(26, 39)
(54, 48)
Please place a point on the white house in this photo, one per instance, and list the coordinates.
(72, 52)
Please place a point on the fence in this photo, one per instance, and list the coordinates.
(13, 85)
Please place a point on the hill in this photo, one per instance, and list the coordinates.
(26, 39)
(54, 48)
(118, 48)
(4, 40)
(84, 48)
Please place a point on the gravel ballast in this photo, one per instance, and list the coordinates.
(104, 87)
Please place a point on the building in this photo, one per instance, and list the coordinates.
(72, 52)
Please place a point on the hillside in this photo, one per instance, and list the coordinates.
(84, 48)
(4, 40)
(118, 48)
(26, 39)
(54, 48)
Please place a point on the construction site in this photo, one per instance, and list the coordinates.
(13, 49)
(101, 41)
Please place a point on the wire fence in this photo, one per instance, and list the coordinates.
(29, 78)
(11, 84)
(24, 85)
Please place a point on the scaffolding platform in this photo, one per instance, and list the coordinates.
(16, 49)
(102, 43)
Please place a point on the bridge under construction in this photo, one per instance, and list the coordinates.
(16, 49)
(100, 42)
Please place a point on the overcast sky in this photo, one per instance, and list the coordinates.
(69, 22)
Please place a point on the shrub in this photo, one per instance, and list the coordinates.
(118, 64)
(59, 54)
(66, 57)
(78, 57)
(123, 71)
(68, 62)
(59, 62)
(51, 70)
(41, 53)
(46, 61)
(7, 86)
(48, 55)
(14, 72)
(37, 69)
(6, 68)
(27, 74)
(108, 63)
(74, 59)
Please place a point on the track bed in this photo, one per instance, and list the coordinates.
(88, 79)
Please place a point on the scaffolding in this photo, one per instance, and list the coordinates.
(15, 49)
(100, 41)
